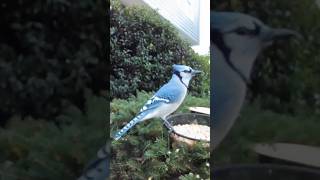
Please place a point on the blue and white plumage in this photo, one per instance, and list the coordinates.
(166, 100)
(236, 41)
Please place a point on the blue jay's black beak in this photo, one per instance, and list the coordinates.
(278, 34)
(195, 72)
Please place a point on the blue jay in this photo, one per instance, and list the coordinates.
(166, 100)
(236, 41)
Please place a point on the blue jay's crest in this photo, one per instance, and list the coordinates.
(181, 68)
(228, 21)
(184, 69)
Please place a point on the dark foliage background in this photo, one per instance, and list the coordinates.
(143, 47)
(53, 87)
(50, 51)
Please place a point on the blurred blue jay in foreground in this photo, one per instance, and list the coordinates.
(166, 100)
(236, 41)
(98, 168)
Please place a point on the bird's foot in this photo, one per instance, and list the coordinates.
(168, 125)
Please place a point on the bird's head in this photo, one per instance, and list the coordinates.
(241, 37)
(184, 73)
(236, 41)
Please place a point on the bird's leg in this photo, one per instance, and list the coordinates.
(167, 124)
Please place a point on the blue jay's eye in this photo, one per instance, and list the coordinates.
(187, 71)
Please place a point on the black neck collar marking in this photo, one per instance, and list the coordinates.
(218, 40)
(180, 78)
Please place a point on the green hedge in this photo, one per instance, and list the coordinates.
(144, 46)
(50, 51)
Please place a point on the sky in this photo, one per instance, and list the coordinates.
(203, 47)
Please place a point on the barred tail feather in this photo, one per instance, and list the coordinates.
(128, 126)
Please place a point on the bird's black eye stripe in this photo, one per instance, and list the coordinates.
(246, 31)
(187, 71)
(243, 31)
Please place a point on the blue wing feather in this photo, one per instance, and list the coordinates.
(166, 94)
(153, 103)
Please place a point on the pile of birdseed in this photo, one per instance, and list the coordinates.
(195, 131)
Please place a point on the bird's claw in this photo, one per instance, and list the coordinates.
(168, 125)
